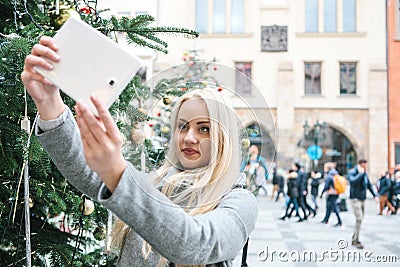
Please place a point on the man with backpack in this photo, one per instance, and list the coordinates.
(329, 188)
(359, 183)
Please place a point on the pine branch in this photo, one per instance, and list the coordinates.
(139, 21)
(150, 36)
(185, 32)
(139, 31)
(137, 40)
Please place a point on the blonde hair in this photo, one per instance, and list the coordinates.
(205, 185)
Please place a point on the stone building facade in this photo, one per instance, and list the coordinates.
(281, 41)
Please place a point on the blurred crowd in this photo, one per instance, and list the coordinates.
(301, 189)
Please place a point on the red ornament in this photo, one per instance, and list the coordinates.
(151, 123)
(158, 114)
(219, 89)
(85, 10)
(183, 88)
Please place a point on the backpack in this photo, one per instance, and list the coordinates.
(339, 182)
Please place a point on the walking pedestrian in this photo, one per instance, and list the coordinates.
(332, 195)
(302, 186)
(293, 194)
(281, 183)
(304, 194)
(359, 183)
(396, 192)
(316, 178)
(275, 182)
(385, 186)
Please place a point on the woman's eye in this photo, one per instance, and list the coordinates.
(182, 126)
(204, 129)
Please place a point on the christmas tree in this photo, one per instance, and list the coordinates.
(65, 228)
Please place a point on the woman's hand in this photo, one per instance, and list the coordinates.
(45, 95)
(102, 142)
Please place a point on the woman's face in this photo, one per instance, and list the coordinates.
(192, 134)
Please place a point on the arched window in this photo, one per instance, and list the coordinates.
(336, 147)
(262, 139)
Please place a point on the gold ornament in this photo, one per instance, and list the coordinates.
(137, 136)
(31, 203)
(100, 232)
(65, 13)
(245, 143)
(142, 110)
(165, 129)
(88, 207)
(166, 100)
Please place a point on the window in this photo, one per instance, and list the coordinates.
(349, 16)
(398, 18)
(201, 15)
(227, 16)
(330, 16)
(121, 14)
(328, 13)
(237, 16)
(311, 15)
(243, 78)
(141, 13)
(312, 78)
(219, 16)
(397, 153)
(348, 78)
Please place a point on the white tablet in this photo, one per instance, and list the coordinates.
(91, 63)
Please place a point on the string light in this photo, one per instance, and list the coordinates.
(31, 18)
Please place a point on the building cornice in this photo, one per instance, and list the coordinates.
(226, 35)
(331, 34)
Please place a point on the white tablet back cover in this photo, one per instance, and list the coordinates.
(91, 63)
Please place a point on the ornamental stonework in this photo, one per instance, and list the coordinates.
(273, 38)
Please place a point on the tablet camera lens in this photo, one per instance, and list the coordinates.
(111, 82)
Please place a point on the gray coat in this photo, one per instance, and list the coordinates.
(214, 237)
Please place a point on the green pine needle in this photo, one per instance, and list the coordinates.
(139, 32)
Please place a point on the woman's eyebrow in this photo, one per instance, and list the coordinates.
(199, 122)
(202, 122)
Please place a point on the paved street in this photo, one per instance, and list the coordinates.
(287, 243)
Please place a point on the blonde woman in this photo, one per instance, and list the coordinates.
(190, 212)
